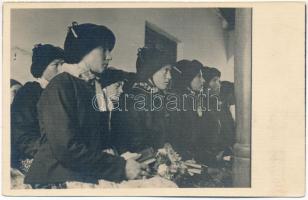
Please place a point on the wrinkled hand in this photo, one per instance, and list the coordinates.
(134, 169)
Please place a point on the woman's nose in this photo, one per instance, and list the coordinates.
(108, 55)
(168, 75)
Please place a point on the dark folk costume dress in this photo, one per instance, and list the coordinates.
(200, 135)
(25, 131)
(198, 131)
(142, 126)
(220, 128)
(187, 125)
(73, 137)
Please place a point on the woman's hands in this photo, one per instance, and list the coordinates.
(135, 169)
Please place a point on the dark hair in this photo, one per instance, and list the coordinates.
(14, 82)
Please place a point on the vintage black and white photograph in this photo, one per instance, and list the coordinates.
(130, 98)
(156, 99)
(153, 99)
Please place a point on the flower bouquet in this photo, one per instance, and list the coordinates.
(168, 164)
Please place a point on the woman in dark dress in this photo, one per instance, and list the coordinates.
(145, 120)
(73, 137)
(187, 123)
(112, 81)
(218, 120)
(24, 120)
(227, 116)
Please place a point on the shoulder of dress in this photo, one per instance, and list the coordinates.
(29, 91)
(64, 76)
(63, 83)
(30, 86)
(61, 79)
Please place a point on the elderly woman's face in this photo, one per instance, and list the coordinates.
(162, 77)
(197, 83)
(98, 59)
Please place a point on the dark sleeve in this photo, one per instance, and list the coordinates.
(176, 131)
(131, 135)
(135, 128)
(58, 117)
(25, 125)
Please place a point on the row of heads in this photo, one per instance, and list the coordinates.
(84, 38)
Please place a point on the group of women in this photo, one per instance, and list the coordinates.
(81, 117)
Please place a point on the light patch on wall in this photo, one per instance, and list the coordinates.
(20, 64)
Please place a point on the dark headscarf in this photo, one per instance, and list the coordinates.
(209, 73)
(83, 38)
(151, 60)
(42, 56)
(184, 72)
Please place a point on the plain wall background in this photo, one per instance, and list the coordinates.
(200, 30)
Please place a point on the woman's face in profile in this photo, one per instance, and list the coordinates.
(98, 59)
(162, 77)
(197, 83)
